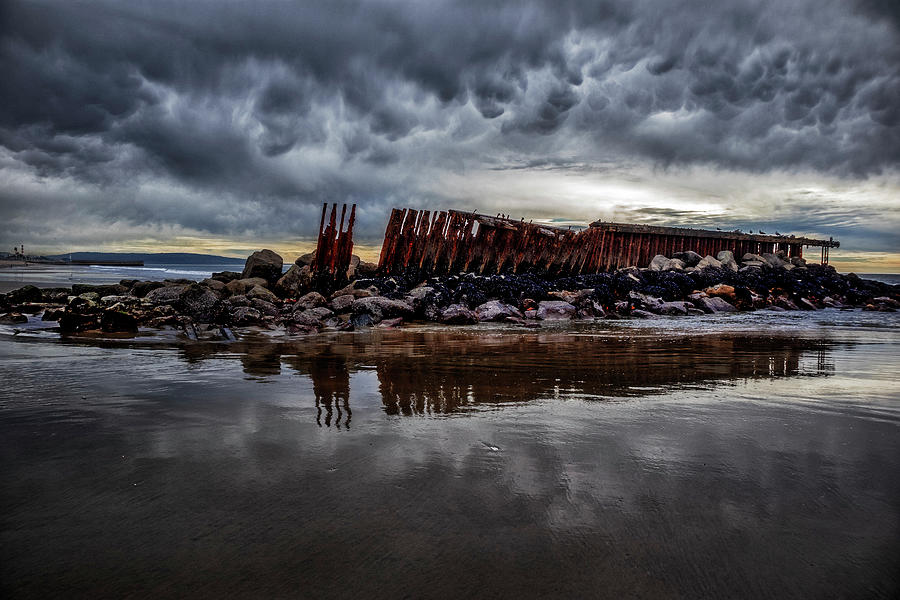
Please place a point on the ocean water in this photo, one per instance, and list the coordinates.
(65, 275)
(732, 456)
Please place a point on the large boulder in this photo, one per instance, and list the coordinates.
(310, 300)
(549, 310)
(200, 303)
(688, 257)
(674, 264)
(713, 304)
(645, 301)
(674, 308)
(726, 257)
(458, 314)
(142, 288)
(265, 264)
(709, 261)
(262, 293)
(379, 307)
(295, 282)
(244, 315)
(239, 287)
(774, 260)
(28, 293)
(658, 262)
(170, 294)
(342, 303)
(495, 310)
(312, 317)
(117, 321)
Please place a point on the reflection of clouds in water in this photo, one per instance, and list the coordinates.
(734, 459)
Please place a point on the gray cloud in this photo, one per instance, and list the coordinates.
(234, 118)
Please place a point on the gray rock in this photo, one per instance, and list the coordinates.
(773, 261)
(714, 304)
(458, 314)
(110, 300)
(264, 308)
(265, 264)
(242, 286)
(170, 294)
(200, 303)
(214, 284)
(305, 259)
(420, 292)
(642, 314)
(313, 317)
(674, 264)
(27, 293)
(310, 300)
(806, 304)
(244, 315)
(342, 303)
(786, 303)
(115, 321)
(263, 294)
(658, 263)
(295, 282)
(239, 300)
(726, 257)
(13, 318)
(688, 257)
(379, 307)
(226, 276)
(674, 308)
(548, 310)
(142, 288)
(494, 310)
(709, 261)
(644, 301)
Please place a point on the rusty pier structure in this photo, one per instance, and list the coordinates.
(452, 241)
(334, 248)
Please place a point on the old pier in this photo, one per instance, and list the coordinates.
(453, 241)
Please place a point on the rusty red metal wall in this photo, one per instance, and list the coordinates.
(335, 246)
(453, 241)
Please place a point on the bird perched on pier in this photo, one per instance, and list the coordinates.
(762, 232)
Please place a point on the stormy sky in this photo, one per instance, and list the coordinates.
(223, 126)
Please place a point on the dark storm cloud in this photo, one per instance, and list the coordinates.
(283, 105)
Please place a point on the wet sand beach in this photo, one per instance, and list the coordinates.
(742, 456)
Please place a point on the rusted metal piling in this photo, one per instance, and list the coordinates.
(453, 241)
(334, 248)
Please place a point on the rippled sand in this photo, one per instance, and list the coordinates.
(744, 456)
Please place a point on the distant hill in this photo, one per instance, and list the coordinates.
(170, 258)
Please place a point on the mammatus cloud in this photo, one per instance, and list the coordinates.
(138, 123)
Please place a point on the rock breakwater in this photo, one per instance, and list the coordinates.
(684, 285)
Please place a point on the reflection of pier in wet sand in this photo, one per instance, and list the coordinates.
(444, 372)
